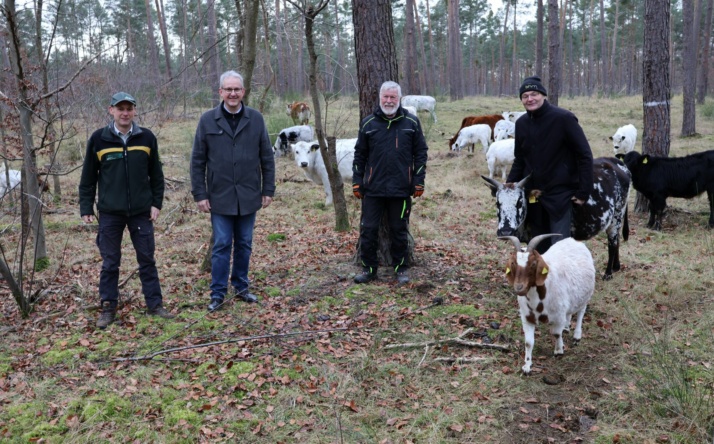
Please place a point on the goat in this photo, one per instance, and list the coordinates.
(551, 288)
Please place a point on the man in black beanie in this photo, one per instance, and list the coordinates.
(551, 147)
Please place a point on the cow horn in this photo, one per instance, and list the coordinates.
(494, 184)
(523, 181)
(514, 240)
(536, 240)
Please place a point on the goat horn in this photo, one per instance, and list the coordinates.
(514, 240)
(523, 181)
(536, 240)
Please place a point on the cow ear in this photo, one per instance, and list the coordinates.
(610, 138)
(314, 147)
(541, 271)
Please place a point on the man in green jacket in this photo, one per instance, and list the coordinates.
(122, 160)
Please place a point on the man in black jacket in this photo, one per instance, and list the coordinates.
(389, 166)
(551, 147)
(123, 161)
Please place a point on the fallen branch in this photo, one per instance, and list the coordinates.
(460, 360)
(227, 341)
(458, 340)
(131, 275)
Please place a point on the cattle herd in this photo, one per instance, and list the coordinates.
(552, 296)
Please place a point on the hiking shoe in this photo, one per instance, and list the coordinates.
(160, 312)
(365, 276)
(245, 296)
(215, 305)
(108, 315)
(402, 278)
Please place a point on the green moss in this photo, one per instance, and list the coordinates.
(272, 291)
(178, 411)
(42, 264)
(276, 237)
(230, 377)
(55, 357)
(107, 407)
(467, 310)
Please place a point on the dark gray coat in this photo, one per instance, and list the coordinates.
(232, 170)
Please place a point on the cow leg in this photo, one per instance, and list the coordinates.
(613, 252)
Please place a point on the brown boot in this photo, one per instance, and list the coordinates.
(107, 316)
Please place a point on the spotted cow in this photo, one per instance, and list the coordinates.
(299, 112)
(605, 209)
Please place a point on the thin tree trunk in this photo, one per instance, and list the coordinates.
(153, 51)
(703, 81)
(603, 50)
(250, 45)
(502, 50)
(164, 37)
(554, 53)
(456, 90)
(689, 68)
(411, 79)
(539, 39)
(424, 69)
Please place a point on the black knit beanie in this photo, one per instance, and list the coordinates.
(532, 84)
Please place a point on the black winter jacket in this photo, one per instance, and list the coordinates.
(390, 155)
(130, 177)
(551, 146)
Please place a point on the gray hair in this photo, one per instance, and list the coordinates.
(391, 85)
(230, 73)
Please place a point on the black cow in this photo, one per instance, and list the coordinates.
(605, 209)
(658, 178)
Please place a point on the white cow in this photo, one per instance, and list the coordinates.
(512, 116)
(298, 133)
(309, 159)
(624, 139)
(410, 109)
(504, 129)
(469, 135)
(421, 103)
(15, 178)
(500, 157)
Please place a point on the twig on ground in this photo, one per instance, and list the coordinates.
(131, 275)
(459, 340)
(426, 351)
(227, 341)
(460, 359)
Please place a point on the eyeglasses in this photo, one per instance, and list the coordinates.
(233, 90)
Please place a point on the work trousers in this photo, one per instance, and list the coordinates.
(109, 237)
(397, 210)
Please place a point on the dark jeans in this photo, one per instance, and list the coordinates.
(236, 233)
(397, 210)
(109, 237)
(541, 222)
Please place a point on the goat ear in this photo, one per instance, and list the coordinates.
(541, 271)
(510, 272)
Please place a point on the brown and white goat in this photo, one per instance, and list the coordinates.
(551, 288)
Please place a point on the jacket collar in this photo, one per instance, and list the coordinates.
(109, 134)
(540, 111)
(223, 123)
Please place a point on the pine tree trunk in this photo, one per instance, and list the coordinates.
(689, 68)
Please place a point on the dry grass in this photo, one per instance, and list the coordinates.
(642, 373)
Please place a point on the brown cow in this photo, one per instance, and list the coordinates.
(489, 119)
(299, 112)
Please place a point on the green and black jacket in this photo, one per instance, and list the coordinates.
(129, 175)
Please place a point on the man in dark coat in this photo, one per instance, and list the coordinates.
(551, 147)
(232, 177)
(122, 165)
(389, 166)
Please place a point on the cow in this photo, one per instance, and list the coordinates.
(605, 209)
(500, 156)
(504, 129)
(658, 178)
(298, 133)
(309, 159)
(470, 135)
(15, 177)
(489, 119)
(512, 116)
(624, 139)
(299, 112)
(421, 103)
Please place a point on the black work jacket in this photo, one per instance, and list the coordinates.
(390, 155)
(551, 146)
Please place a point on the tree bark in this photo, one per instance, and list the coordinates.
(212, 52)
(539, 40)
(250, 32)
(703, 81)
(151, 38)
(164, 37)
(456, 89)
(554, 56)
(655, 85)
(689, 68)
(411, 75)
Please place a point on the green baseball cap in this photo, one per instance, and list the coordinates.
(122, 97)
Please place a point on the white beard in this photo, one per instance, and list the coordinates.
(389, 111)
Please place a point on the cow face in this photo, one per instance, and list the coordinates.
(511, 205)
(305, 153)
